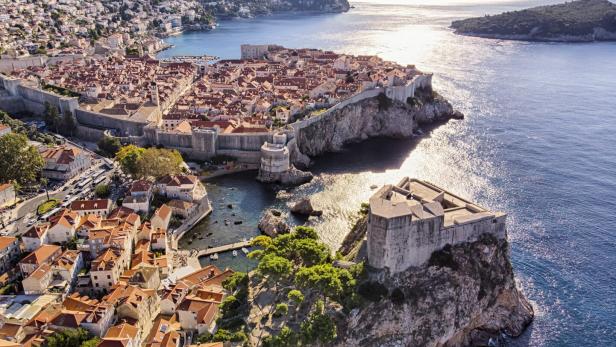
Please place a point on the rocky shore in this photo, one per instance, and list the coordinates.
(373, 117)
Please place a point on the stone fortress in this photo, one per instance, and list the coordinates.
(410, 220)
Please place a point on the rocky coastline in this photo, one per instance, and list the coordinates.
(575, 21)
(465, 296)
(373, 117)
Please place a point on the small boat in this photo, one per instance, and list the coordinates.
(226, 222)
(214, 256)
(209, 234)
(245, 250)
(238, 222)
(235, 253)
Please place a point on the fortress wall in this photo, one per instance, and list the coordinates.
(175, 140)
(96, 120)
(248, 157)
(8, 65)
(91, 134)
(205, 141)
(243, 142)
(10, 84)
(397, 243)
(12, 104)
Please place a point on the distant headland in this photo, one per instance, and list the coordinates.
(251, 8)
(575, 21)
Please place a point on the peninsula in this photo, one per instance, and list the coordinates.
(274, 107)
(575, 21)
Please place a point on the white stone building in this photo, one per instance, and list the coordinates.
(64, 162)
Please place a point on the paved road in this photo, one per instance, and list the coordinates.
(28, 208)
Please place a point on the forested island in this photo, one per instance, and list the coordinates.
(575, 21)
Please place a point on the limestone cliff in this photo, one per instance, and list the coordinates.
(466, 295)
(372, 117)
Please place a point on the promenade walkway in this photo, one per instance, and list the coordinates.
(224, 248)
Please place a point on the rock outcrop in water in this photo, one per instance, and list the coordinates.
(575, 21)
(373, 117)
(466, 295)
(273, 223)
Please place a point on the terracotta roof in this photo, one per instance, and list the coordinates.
(177, 180)
(37, 231)
(41, 255)
(106, 260)
(65, 218)
(120, 212)
(123, 331)
(6, 241)
(61, 154)
(86, 205)
(163, 212)
(180, 204)
(89, 221)
(140, 186)
(69, 319)
(68, 259)
(207, 276)
(40, 272)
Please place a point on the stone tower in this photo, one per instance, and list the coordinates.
(154, 93)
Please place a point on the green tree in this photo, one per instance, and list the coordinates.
(235, 280)
(310, 252)
(281, 309)
(285, 338)
(68, 125)
(274, 267)
(102, 191)
(128, 157)
(52, 117)
(331, 281)
(319, 327)
(296, 296)
(70, 338)
(109, 146)
(19, 162)
(93, 342)
(158, 162)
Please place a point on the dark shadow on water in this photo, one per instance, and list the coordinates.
(377, 154)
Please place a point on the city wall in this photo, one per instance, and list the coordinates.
(11, 64)
(34, 98)
(100, 121)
